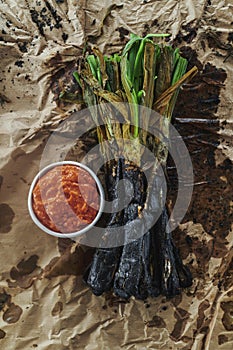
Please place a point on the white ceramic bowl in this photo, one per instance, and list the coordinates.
(72, 235)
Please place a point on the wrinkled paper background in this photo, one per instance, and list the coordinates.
(43, 301)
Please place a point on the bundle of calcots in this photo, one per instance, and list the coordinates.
(146, 74)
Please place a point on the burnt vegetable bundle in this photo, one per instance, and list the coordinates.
(149, 75)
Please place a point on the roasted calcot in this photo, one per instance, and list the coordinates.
(147, 74)
(148, 266)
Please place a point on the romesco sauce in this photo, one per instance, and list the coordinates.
(66, 199)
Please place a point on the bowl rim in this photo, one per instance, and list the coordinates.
(70, 234)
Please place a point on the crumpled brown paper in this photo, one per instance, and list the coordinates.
(44, 303)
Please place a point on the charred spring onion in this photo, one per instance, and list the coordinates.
(148, 74)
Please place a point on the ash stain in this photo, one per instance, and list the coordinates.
(123, 32)
(182, 317)
(24, 267)
(65, 37)
(19, 63)
(12, 314)
(47, 16)
(157, 322)
(2, 334)
(146, 29)
(6, 218)
(154, 23)
(222, 339)
(64, 244)
(4, 99)
(25, 273)
(57, 309)
(201, 315)
(71, 262)
(218, 45)
(230, 37)
(23, 47)
(177, 300)
(56, 59)
(11, 311)
(227, 278)
(200, 245)
(1, 181)
(4, 300)
(199, 129)
(54, 14)
(187, 33)
(36, 19)
(186, 339)
(227, 319)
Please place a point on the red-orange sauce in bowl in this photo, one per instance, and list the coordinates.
(66, 199)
